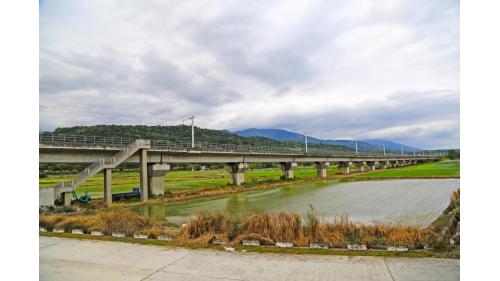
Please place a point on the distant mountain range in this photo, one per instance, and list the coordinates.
(363, 145)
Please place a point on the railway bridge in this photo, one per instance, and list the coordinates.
(155, 156)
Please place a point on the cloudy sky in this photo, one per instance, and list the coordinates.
(336, 69)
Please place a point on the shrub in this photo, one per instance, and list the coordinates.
(122, 221)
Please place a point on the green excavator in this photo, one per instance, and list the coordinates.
(82, 199)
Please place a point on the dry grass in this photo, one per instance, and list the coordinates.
(447, 226)
(110, 221)
(208, 225)
(300, 230)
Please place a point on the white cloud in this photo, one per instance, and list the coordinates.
(334, 68)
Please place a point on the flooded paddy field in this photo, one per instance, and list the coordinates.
(394, 202)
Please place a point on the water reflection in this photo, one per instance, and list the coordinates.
(402, 202)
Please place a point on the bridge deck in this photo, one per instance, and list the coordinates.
(57, 148)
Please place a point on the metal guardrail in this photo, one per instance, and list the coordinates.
(79, 140)
(95, 167)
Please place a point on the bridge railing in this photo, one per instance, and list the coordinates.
(63, 139)
(80, 140)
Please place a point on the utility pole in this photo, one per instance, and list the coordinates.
(383, 147)
(305, 140)
(414, 152)
(192, 130)
(402, 151)
(356, 142)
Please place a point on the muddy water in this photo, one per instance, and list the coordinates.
(395, 202)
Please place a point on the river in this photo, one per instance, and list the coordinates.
(394, 202)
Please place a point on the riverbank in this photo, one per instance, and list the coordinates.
(304, 233)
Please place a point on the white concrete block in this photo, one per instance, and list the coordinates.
(77, 231)
(140, 236)
(218, 242)
(357, 247)
(58, 230)
(165, 237)
(397, 249)
(42, 229)
(251, 243)
(118, 234)
(318, 246)
(96, 233)
(284, 245)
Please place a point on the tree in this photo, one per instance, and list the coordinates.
(453, 154)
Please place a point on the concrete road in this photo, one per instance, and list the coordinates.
(70, 259)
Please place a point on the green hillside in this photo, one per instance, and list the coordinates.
(180, 133)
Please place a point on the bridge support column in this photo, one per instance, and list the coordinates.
(237, 172)
(156, 173)
(66, 198)
(360, 166)
(143, 172)
(108, 183)
(344, 168)
(321, 168)
(371, 166)
(287, 169)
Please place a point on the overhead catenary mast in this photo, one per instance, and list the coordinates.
(192, 130)
(305, 140)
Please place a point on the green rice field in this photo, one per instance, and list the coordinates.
(450, 168)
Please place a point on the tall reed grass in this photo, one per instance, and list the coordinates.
(120, 220)
(270, 228)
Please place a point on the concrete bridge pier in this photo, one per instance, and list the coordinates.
(321, 168)
(371, 165)
(344, 168)
(108, 183)
(360, 166)
(143, 173)
(66, 198)
(237, 172)
(156, 173)
(287, 169)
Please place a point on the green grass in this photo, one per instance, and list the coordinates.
(436, 169)
(182, 181)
